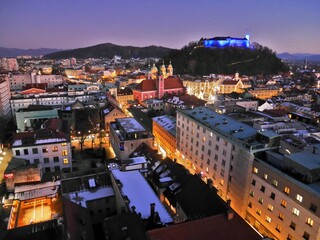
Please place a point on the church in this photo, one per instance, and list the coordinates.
(158, 83)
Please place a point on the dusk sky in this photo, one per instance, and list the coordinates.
(283, 25)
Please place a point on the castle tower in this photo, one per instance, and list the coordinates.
(154, 71)
(163, 69)
(170, 69)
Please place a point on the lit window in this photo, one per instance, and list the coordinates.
(295, 211)
(261, 200)
(286, 190)
(255, 170)
(270, 207)
(309, 221)
(299, 198)
(63, 144)
(268, 219)
(281, 216)
(65, 161)
(252, 193)
(44, 150)
(278, 228)
(64, 152)
(275, 182)
(221, 182)
(265, 176)
(258, 211)
(283, 203)
(204, 139)
(211, 134)
(54, 148)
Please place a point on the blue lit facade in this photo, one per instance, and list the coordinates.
(222, 42)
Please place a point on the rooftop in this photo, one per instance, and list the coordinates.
(167, 122)
(140, 194)
(130, 125)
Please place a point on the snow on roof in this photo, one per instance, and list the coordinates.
(50, 140)
(138, 160)
(140, 194)
(130, 125)
(82, 197)
(26, 192)
(165, 179)
(167, 122)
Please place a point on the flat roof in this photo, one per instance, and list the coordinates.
(307, 159)
(140, 194)
(130, 125)
(221, 122)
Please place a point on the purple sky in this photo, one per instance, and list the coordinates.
(283, 25)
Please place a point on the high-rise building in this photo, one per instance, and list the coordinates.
(5, 109)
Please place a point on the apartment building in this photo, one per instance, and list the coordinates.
(49, 146)
(126, 134)
(222, 149)
(5, 109)
(284, 195)
(164, 132)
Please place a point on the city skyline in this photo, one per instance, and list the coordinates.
(281, 26)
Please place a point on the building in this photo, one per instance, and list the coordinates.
(234, 85)
(124, 95)
(110, 114)
(222, 149)
(151, 88)
(5, 108)
(9, 64)
(284, 195)
(164, 132)
(126, 134)
(222, 42)
(154, 104)
(204, 88)
(265, 92)
(49, 146)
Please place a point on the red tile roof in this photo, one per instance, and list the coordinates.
(229, 82)
(147, 85)
(172, 83)
(216, 227)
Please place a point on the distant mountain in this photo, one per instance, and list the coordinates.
(109, 50)
(14, 52)
(299, 56)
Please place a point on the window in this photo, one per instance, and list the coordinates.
(34, 150)
(313, 207)
(283, 203)
(46, 160)
(222, 173)
(295, 211)
(268, 219)
(55, 159)
(215, 166)
(64, 152)
(252, 193)
(253, 182)
(255, 170)
(203, 139)
(278, 228)
(275, 183)
(258, 211)
(250, 204)
(211, 134)
(57, 168)
(286, 190)
(17, 152)
(36, 161)
(217, 138)
(270, 207)
(272, 196)
(45, 150)
(223, 163)
(281, 216)
(25, 151)
(63, 144)
(299, 198)
(217, 148)
(54, 148)
(293, 225)
(224, 152)
(263, 188)
(210, 143)
(261, 200)
(265, 176)
(216, 157)
(221, 182)
(306, 236)
(289, 237)
(65, 161)
(209, 152)
(309, 221)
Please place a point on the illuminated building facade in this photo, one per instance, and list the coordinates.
(222, 42)
(164, 132)
(5, 109)
(202, 88)
(265, 92)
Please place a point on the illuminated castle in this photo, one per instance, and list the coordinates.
(222, 42)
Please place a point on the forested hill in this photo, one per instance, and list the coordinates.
(109, 50)
(195, 60)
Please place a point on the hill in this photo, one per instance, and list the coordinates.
(195, 60)
(109, 50)
(14, 52)
(299, 57)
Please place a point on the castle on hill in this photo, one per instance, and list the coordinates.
(223, 42)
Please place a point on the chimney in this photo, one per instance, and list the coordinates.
(152, 210)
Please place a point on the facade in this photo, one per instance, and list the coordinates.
(229, 86)
(48, 146)
(19, 81)
(284, 204)
(265, 92)
(164, 132)
(124, 95)
(5, 109)
(222, 149)
(202, 88)
(110, 115)
(155, 104)
(9, 64)
(126, 134)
